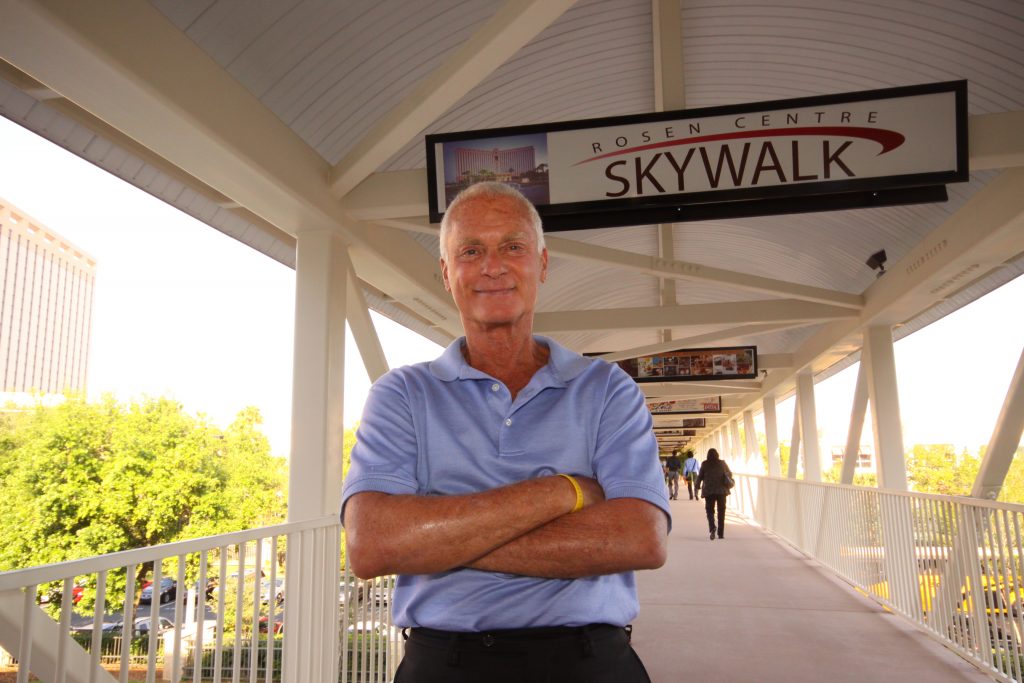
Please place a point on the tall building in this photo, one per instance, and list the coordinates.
(518, 160)
(46, 295)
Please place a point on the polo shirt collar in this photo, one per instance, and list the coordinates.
(563, 365)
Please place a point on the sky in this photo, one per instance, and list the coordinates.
(183, 311)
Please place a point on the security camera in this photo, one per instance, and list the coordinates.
(877, 262)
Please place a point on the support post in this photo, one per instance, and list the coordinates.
(771, 435)
(736, 451)
(314, 468)
(885, 407)
(753, 459)
(809, 426)
(860, 407)
(794, 448)
(1005, 439)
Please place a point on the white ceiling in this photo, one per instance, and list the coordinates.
(266, 118)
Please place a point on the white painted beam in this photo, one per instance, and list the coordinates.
(857, 413)
(771, 435)
(743, 331)
(682, 270)
(513, 26)
(794, 441)
(753, 455)
(1005, 439)
(669, 90)
(321, 283)
(111, 57)
(982, 234)
(884, 398)
(654, 317)
(996, 140)
(363, 331)
(809, 426)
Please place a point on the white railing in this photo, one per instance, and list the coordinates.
(951, 565)
(221, 617)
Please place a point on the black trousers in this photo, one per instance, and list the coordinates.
(598, 653)
(691, 487)
(709, 507)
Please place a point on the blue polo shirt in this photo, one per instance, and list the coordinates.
(444, 428)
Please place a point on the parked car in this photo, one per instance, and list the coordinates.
(168, 590)
(278, 623)
(142, 625)
(278, 590)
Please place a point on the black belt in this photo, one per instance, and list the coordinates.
(519, 635)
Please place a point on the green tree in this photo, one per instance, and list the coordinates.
(936, 468)
(82, 479)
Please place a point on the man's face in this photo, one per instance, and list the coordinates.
(491, 263)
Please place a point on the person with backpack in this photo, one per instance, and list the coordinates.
(715, 480)
(690, 469)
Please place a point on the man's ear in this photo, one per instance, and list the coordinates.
(444, 276)
(544, 264)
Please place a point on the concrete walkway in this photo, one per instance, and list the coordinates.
(750, 608)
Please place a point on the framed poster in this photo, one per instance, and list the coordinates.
(689, 365)
(709, 404)
(841, 151)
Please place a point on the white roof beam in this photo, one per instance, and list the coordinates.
(981, 235)
(689, 342)
(513, 26)
(996, 140)
(669, 91)
(653, 317)
(682, 270)
(111, 57)
(665, 268)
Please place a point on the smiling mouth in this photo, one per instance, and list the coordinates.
(489, 292)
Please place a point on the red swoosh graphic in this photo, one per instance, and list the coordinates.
(888, 139)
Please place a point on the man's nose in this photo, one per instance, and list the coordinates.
(493, 264)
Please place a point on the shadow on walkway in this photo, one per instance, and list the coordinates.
(750, 608)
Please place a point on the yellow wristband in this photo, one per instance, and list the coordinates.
(579, 491)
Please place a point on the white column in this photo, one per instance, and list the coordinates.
(771, 435)
(314, 467)
(794, 448)
(1005, 439)
(736, 451)
(885, 407)
(753, 453)
(860, 407)
(809, 426)
(314, 470)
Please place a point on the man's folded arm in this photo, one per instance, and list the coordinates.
(413, 534)
(616, 535)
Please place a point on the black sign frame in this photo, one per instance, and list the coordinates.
(826, 195)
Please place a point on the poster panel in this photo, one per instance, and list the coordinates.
(708, 404)
(719, 363)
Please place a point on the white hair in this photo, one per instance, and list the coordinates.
(491, 189)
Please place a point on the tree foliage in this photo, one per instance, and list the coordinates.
(82, 479)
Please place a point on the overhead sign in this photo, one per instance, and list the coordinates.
(873, 148)
(708, 404)
(729, 362)
(695, 422)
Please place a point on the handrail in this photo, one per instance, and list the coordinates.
(968, 500)
(18, 578)
(951, 565)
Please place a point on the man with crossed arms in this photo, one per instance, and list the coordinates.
(512, 484)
